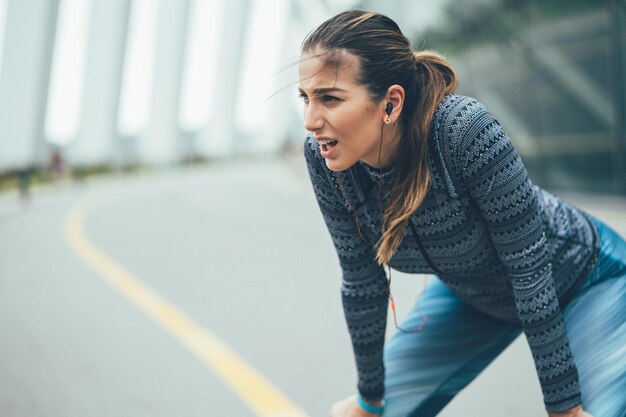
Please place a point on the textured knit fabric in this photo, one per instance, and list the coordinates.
(504, 246)
(424, 371)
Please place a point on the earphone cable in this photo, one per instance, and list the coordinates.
(389, 294)
(358, 227)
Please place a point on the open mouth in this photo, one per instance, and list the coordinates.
(326, 145)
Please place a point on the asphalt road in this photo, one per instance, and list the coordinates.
(208, 291)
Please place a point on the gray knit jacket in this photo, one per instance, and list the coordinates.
(505, 246)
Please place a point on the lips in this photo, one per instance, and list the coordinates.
(327, 146)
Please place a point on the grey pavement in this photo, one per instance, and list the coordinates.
(242, 249)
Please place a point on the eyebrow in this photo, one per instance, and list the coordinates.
(323, 90)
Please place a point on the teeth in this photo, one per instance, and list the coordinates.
(327, 142)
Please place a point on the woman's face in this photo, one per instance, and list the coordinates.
(339, 112)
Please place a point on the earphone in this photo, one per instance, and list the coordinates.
(388, 109)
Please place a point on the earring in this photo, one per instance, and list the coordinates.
(387, 120)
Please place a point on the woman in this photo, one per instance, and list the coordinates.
(411, 176)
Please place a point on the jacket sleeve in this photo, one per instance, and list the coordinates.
(497, 181)
(364, 283)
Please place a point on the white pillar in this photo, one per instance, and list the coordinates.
(161, 143)
(97, 141)
(219, 136)
(262, 122)
(28, 44)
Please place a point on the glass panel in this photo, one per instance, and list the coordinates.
(548, 72)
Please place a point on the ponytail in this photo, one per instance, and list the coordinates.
(434, 78)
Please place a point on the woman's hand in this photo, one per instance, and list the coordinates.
(572, 412)
(350, 408)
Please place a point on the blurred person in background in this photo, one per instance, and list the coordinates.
(23, 184)
(411, 176)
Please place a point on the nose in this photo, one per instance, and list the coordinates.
(313, 119)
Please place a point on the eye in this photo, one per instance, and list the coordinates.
(330, 99)
(303, 97)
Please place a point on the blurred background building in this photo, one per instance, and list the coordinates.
(91, 85)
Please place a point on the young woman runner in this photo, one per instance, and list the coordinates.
(411, 176)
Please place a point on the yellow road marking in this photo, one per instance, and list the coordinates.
(258, 393)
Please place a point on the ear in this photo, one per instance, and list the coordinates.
(395, 96)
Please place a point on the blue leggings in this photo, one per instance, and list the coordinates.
(426, 370)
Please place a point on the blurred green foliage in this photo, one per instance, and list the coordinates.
(474, 22)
